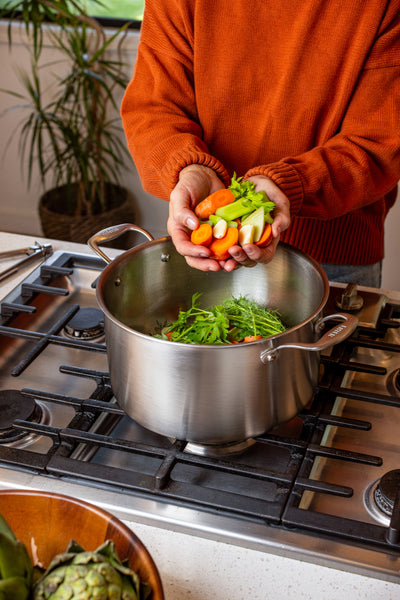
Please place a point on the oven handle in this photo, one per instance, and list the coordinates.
(112, 233)
(337, 334)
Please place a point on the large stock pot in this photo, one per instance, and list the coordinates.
(211, 394)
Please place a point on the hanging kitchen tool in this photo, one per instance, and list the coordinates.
(31, 253)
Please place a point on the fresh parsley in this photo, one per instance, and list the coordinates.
(227, 323)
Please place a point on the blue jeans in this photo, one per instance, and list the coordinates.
(369, 275)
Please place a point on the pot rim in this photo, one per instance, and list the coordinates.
(137, 249)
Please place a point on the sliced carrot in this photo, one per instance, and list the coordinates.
(251, 338)
(203, 235)
(266, 236)
(217, 199)
(219, 248)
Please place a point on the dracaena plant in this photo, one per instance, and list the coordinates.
(70, 130)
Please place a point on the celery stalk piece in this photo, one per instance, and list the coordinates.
(235, 210)
(213, 219)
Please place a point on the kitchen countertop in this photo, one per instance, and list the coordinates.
(196, 568)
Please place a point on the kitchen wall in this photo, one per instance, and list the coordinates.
(18, 206)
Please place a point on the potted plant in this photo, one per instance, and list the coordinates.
(71, 131)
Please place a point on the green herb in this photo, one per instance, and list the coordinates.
(226, 323)
(247, 201)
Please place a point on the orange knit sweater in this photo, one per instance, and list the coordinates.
(306, 92)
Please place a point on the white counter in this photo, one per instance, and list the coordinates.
(194, 568)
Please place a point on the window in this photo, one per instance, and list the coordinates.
(111, 12)
(116, 9)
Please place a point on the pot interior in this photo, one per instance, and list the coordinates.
(148, 285)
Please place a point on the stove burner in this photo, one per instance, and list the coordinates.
(13, 405)
(393, 383)
(87, 323)
(386, 490)
(216, 450)
(397, 380)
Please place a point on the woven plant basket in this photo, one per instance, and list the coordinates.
(59, 226)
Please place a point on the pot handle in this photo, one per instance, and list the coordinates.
(333, 336)
(112, 233)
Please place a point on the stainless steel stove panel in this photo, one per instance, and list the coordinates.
(382, 440)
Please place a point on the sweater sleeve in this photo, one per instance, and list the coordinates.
(159, 108)
(361, 163)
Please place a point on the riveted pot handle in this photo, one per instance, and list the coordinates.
(112, 233)
(334, 336)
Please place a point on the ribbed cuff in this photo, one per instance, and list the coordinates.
(286, 178)
(191, 156)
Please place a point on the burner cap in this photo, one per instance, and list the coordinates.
(386, 491)
(13, 405)
(87, 323)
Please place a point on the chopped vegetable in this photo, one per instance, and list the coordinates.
(235, 320)
(219, 229)
(237, 206)
(214, 219)
(203, 235)
(256, 218)
(220, 247)
(209, 205)
(246, 234)
(251, 338)
(237, 209)
(266, 236)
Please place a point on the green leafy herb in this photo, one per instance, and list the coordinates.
(247, 201)
(226, 323)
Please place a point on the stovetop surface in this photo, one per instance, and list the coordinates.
(315, 474)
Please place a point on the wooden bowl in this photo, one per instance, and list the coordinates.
(46, 522)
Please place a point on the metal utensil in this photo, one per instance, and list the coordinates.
(32, 253)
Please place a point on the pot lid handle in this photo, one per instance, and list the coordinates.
(337, 334)
(112, 233)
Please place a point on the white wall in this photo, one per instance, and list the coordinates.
(391, 263)
(18, 206)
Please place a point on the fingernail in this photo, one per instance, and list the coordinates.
(191, 223)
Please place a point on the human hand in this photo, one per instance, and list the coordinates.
(250, 254)
(195, 183)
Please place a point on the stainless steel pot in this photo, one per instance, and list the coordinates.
(211, 394)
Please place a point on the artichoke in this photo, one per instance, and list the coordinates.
(81, 575)
(16, 569)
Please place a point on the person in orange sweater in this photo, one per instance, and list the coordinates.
(302, 98)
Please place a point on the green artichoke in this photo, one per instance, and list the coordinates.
(16, 569)
(81, 575)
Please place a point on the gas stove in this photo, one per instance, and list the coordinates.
(324, 487)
